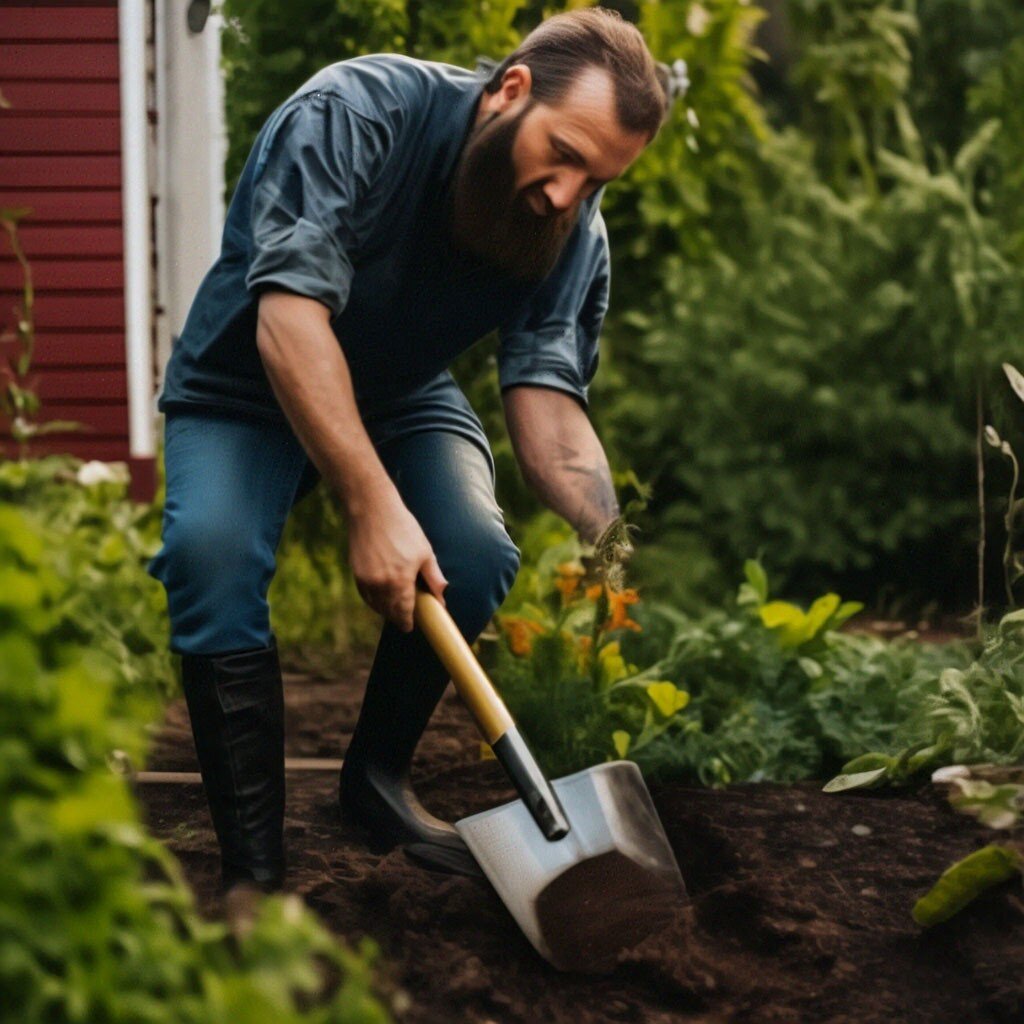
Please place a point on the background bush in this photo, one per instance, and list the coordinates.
(810, 286)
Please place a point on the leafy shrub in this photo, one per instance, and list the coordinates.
(761, 691)
(96, 921)
(105, 542)
(969, 714)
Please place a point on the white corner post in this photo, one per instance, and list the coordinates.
(135, 206)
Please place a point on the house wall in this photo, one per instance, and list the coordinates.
(60, 155)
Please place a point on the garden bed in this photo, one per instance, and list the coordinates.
(800, 902)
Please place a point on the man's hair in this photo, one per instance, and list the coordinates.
(560, 48)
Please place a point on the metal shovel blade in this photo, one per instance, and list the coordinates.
(600, 890)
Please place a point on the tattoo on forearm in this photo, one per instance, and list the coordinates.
(588, 502)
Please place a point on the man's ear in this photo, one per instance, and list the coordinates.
(515, 83)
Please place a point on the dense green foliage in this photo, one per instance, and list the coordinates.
(97, 922)
(799, 377)
(809, 288)
(760, 689)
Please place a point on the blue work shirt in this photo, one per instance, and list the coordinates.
(340, 200)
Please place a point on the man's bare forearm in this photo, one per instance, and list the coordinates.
(310, 378)
(561, 457)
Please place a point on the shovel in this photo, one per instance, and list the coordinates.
(582, 863)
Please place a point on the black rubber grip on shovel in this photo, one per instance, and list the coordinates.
(531, 784)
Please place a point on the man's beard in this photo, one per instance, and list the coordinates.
(490, 219)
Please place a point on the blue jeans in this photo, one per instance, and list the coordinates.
(231, 482)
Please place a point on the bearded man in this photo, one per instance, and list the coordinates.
(391, 213)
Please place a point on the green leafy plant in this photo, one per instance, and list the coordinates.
(19, 402)
(760, 690)
(966, 715)
(96, 920)
(1013, 559)
(995, 796)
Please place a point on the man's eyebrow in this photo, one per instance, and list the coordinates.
(560, 143)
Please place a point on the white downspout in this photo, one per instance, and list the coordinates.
(135, 204)
(218, 134)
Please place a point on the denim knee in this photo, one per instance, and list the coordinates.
(216, 576)
(480, 565)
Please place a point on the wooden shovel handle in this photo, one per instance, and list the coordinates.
(475, 689)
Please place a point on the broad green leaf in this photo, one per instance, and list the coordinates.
(780, 613)
(621, 739)
(613, 665)
(868, 762)
(818, 615)
(17, 534)
(964, 881)
(19, 589)
(757, 578)
(667, 698)
(856, 780)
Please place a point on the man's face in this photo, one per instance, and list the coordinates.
(527, 167)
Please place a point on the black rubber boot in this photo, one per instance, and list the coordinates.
(375, 792)
(236, 703)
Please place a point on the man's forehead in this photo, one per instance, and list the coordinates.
(586, 119)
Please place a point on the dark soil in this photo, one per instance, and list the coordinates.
(793, 915)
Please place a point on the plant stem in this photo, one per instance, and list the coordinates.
(980, 459)
(1011, 516)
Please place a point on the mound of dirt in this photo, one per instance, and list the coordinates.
(799, 902)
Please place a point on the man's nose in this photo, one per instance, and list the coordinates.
(565, 189)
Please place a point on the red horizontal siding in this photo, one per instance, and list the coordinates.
(60, 156)
(83, 446)
(62, 97)
(64, 61)
(51, 207)
(103, 422)
(103, 312)
(19, 24)
(64, 275)
(102, 240)
(88, 348)
(56, 172)
(45, 134)
(83, 385)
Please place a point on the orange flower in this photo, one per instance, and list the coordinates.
(568, 580)
(618, 600)
(593, 592)
(520, 634)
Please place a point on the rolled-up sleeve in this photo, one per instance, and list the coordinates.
(552, 340)
(316, 163)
